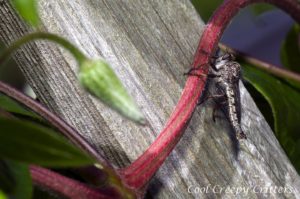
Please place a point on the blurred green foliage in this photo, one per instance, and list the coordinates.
(31, 143)
(22, 188)
(28, 10)
(260, 8)
(2, 195)
(206, 8)
(284, 101)
(15, 180)
(12, 106)
(290, 50)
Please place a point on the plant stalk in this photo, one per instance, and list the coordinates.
(5, 55)
(55, 182)
(138, 174)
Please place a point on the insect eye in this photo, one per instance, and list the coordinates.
(232, 57)
(226, 56)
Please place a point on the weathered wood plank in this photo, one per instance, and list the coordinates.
(150, 44)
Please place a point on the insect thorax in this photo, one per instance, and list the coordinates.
(228, 70)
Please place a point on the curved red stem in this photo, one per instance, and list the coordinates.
(141, 171)
(67, 187)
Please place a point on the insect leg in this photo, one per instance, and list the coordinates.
(210, 97)
(241, 135)
(190, 72)
(219, 105)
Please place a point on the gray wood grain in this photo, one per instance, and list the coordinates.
(150, 44)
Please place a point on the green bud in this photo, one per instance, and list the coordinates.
(101, 81)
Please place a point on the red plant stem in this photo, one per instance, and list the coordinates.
(141, 170)
(56, 183)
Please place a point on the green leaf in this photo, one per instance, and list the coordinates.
(23, 187)
(284, 101)
(206, 8)
(15, 180)
(101, 81)
(32, 143)
(290, 52)
(28, 10)
(10, 105)
(290, 49)
(7, 181)
(2, 195)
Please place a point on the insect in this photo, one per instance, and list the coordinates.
(227, 74)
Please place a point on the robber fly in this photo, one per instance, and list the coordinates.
(227, 74)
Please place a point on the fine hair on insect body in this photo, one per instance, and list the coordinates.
(226, 73)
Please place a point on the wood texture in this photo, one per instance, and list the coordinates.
(150, 44)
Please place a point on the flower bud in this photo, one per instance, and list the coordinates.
(101, 81)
